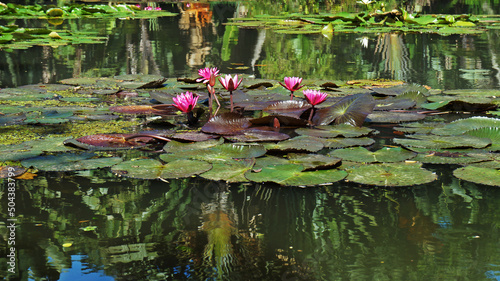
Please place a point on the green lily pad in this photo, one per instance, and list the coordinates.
(383, 155)
(347, 142)
(257, 135)
(221, 153)
(436, 157)
(486, 176)
(297, 144)
(492, 133)
(419, 128)
(293, 175)
(17, 152)
(394, 117)
(153, 169)
(344, 130)
(460, 126)
(231, 171)
(313, 161)
(392, 174)
(434, 141)
(175, 146)
(69, 162)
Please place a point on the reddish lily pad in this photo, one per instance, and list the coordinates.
(11, 171)
(292, 108)
(279, 120)
(347, 142)
(114, 140)
(226, 124)
(145, 109)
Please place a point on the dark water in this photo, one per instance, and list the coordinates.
(94, 225)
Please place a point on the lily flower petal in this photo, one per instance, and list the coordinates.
(230, 83)
(205, 74)
(314, 97)
(185, 102)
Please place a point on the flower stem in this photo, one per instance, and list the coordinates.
(291, 95)
(311, 115)
(231, 98)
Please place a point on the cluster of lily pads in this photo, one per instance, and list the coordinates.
(258, 135)
(397, 20)
(13, 36)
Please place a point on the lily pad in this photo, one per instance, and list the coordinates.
(419, 127)
(344, 130)
(347, 142)
(392, 174)
(434, 141)
(313, 161)
(292, 108)
(175, 146)
(153, 169)
(383, 155)
(460, 126)
(231, 171)
(69, 162)
(297, 144)
(257, 135)
(394, 117)
(226, 124)
(221, 153)
(492, 133)
(486, 176)
(351, 109)
(293, 175)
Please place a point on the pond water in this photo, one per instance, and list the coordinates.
(93, 225)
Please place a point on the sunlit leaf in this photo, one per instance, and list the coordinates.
(231, 171)
(485, 176)
(326, 131)
(297, 144)
(435, 141)
(69, 162)
(152, 169)
(392, 174)
(350, 109)
(383, 155)
(293, 175)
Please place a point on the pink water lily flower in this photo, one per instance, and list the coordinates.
(185, 102)
(314, 97)
(230, 84)
(205, 74)
(292, 84)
